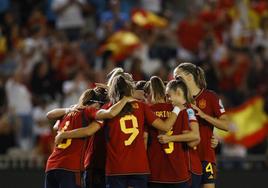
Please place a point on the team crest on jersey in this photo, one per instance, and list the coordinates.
(202, 104)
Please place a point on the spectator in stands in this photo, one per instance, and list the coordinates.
(6, 133)
(136, 69)
(34, 47)
(6, 127)
(73, 89)
(261, 38)
(112, 20)
(70, 16)
(43, 82)
(152, 5)
(7, 24)
(44, 139)
(20, 104)
(190, 31)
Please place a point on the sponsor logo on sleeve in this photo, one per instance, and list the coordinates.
(191, 114)
(222, 110)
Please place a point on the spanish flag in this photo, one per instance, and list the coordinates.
(3, 47)
(250, 124)
(147, 19)
(121, 44)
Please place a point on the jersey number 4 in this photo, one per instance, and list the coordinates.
(68, 141)
(134, 131)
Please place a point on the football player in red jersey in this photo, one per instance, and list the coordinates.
(94, 175)
(60, 172)
(210, 113)
(189, 130)
(172, 162)
(127, 163)
(158, 159)
(168, 162)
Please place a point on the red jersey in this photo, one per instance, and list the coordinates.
(70, 154)
(126, 153)
(210, 104)
(89, 151)
(160, 157)
(156, 154)
(170, 162)
(98, 156)
(192, 155)
(99, 151)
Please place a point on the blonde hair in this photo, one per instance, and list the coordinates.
(157, 88)
(180, 83)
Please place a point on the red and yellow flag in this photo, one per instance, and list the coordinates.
(147, 19)
(121, 44)
(250, 124)
(3, 47)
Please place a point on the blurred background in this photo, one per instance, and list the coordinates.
(52, 50)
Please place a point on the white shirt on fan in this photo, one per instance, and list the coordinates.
(18, 97)
(71, 17)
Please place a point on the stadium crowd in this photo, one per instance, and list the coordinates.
(49, 54)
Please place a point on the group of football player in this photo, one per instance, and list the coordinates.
(127, 134)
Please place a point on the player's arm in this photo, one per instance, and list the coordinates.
(78, 133)
(191, 135)
(166, 125)
(221, 123)
(194, 143)
(59, 112)
(113, 110)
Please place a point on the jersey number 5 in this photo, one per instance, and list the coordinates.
(68, 141)
(134, 131)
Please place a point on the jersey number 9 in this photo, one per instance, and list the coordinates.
(134, 131)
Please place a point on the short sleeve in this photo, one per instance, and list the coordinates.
(106, 106)
(217, 105)
(91, 112)
(150, 117)
(191, 115)
(100, 122)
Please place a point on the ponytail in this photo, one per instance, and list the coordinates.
(157, 88)
(113, 73)
(201, 79)
(120, 87)
(197, 72)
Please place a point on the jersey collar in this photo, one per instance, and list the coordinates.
(200, 92)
